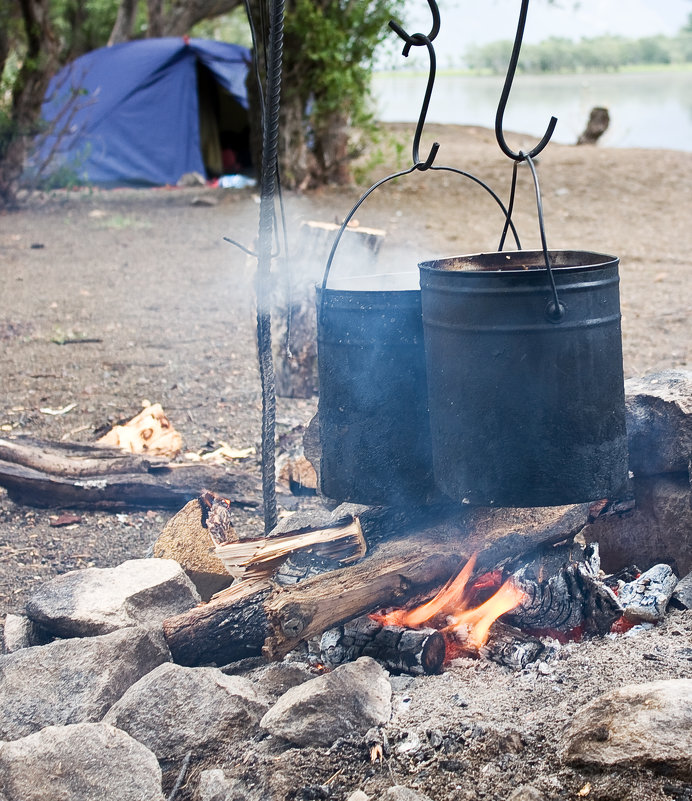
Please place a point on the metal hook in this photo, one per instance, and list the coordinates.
(420, 40)
(505, 97)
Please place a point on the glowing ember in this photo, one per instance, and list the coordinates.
(465, 627)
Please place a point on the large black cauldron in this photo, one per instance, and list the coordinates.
(526, 406)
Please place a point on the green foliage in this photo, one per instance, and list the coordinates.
(598, 54)
(329, 49)
(84, 25)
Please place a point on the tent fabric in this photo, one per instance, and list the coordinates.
(130, 114)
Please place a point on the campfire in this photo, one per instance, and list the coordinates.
(414, 589)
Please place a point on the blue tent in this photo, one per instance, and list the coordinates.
(146, 112)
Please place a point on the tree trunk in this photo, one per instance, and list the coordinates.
(186, 13)
(124, 22)
(40, 62)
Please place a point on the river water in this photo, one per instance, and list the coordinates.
(647, 109)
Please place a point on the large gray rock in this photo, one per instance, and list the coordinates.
(659, 422)
(176, 709)
(80, 762)
(682, 597)
(647, 725)
(21, 632)
(84, 603)
(347, 701)
(658, 530)
(72, 681)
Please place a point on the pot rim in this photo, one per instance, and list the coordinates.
(594, 259)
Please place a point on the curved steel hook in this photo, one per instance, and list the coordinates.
(420, 40)
(511, 69)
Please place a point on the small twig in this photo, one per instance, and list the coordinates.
(181, 776)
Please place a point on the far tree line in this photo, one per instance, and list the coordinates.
(597, 54)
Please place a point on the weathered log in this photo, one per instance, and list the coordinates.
(71, 475)
(72, 458)
(417, 652)
(419, 560)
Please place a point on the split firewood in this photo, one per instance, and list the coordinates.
(256, 558)
(150, 431)
(419, 559)
(417, 652)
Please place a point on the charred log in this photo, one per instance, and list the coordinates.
(231, 627)
(563, 593)
(414, 651)
(511, 647)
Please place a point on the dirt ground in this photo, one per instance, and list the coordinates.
(111, 298)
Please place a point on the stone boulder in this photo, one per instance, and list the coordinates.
(185, 539)
(21, 632)
(85, 603)
(343, 703)
(658, 530)
(81, 761)
(72, 681)
(176, 709)
(659, 422)
(643, 725)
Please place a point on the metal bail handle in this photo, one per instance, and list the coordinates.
(555, 310)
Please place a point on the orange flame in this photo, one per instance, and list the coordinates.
(469, 626)
(473, 625)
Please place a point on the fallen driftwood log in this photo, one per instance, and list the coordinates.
(258, 616)
(70, 475)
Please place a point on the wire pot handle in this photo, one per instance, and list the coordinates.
(509, 224)
(555, 310)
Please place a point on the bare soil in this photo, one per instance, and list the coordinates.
(113, 297)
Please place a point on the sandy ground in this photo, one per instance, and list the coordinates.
(169, 307)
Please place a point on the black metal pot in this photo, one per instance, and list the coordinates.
(373, 414)
(526, 404)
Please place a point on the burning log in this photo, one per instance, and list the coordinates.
(422, 557)
(511, 647)
(414, 651)
(564, 594)
(71, 475)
